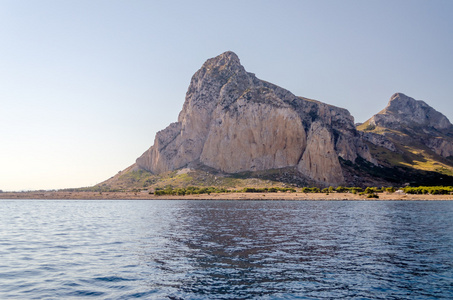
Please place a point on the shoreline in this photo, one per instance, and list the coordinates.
(298, 196)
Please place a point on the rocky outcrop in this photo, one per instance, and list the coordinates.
(379, 140)
(163, 155)
(219, 80)
(320, 156)
(408, 120)
(441, 146)
(403, 111)
(233, 122)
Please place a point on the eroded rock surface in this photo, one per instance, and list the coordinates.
(320, 160)
(408, 120)
(234, 122)
(258, 132)
(403, 111)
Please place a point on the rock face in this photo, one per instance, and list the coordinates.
(379, 140)
(441, 146)
(320, 155)
(404, 111)
(233, 122)
(417, 121)
(252, 135)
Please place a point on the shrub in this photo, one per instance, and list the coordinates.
(390, 189)
(341, 189)
(372, 196)
(372, 190)
(315, 190)
(180, 192)
(356, 190)
(306, 190)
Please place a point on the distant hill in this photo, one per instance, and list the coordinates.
(410, 135)
(235, 129)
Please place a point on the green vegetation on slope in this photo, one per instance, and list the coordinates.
(142, 180)
(411, 152)
(419, 158)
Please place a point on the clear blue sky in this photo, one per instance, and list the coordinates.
(85, 85)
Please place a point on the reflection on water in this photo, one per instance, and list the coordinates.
(226, 249)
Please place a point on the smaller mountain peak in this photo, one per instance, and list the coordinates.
(401, 103)
(404, 110)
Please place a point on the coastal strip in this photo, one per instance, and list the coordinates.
(298, 196)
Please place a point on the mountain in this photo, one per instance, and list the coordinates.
(233, 122)
(234, 125)
(409, 133)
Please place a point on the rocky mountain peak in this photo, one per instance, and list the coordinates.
(409, 121)
(223, 65)
(228, 58)
(406, 106)
(404, 111)
(212, 77)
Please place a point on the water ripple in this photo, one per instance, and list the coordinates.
(225, 250)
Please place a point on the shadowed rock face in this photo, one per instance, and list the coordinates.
(234, 122)
(320, 155)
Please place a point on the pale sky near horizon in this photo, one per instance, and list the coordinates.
(86, 84)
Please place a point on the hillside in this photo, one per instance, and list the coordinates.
(409, 133)
(134, 178)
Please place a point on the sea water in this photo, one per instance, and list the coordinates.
(79, 249)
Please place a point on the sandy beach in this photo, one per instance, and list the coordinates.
(298, 196)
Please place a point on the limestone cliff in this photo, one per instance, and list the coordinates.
(320, 155)
(234, 122)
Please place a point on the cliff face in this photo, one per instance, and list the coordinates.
(257, 132)
(233, 122)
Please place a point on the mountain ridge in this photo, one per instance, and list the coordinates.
(234, 123)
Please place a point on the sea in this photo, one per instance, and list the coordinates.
(177, 249)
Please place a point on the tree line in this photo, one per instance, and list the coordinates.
(433, 190)
(370, 192)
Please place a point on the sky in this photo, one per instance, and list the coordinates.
(86, 84)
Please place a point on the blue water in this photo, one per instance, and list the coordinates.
(225, 249)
